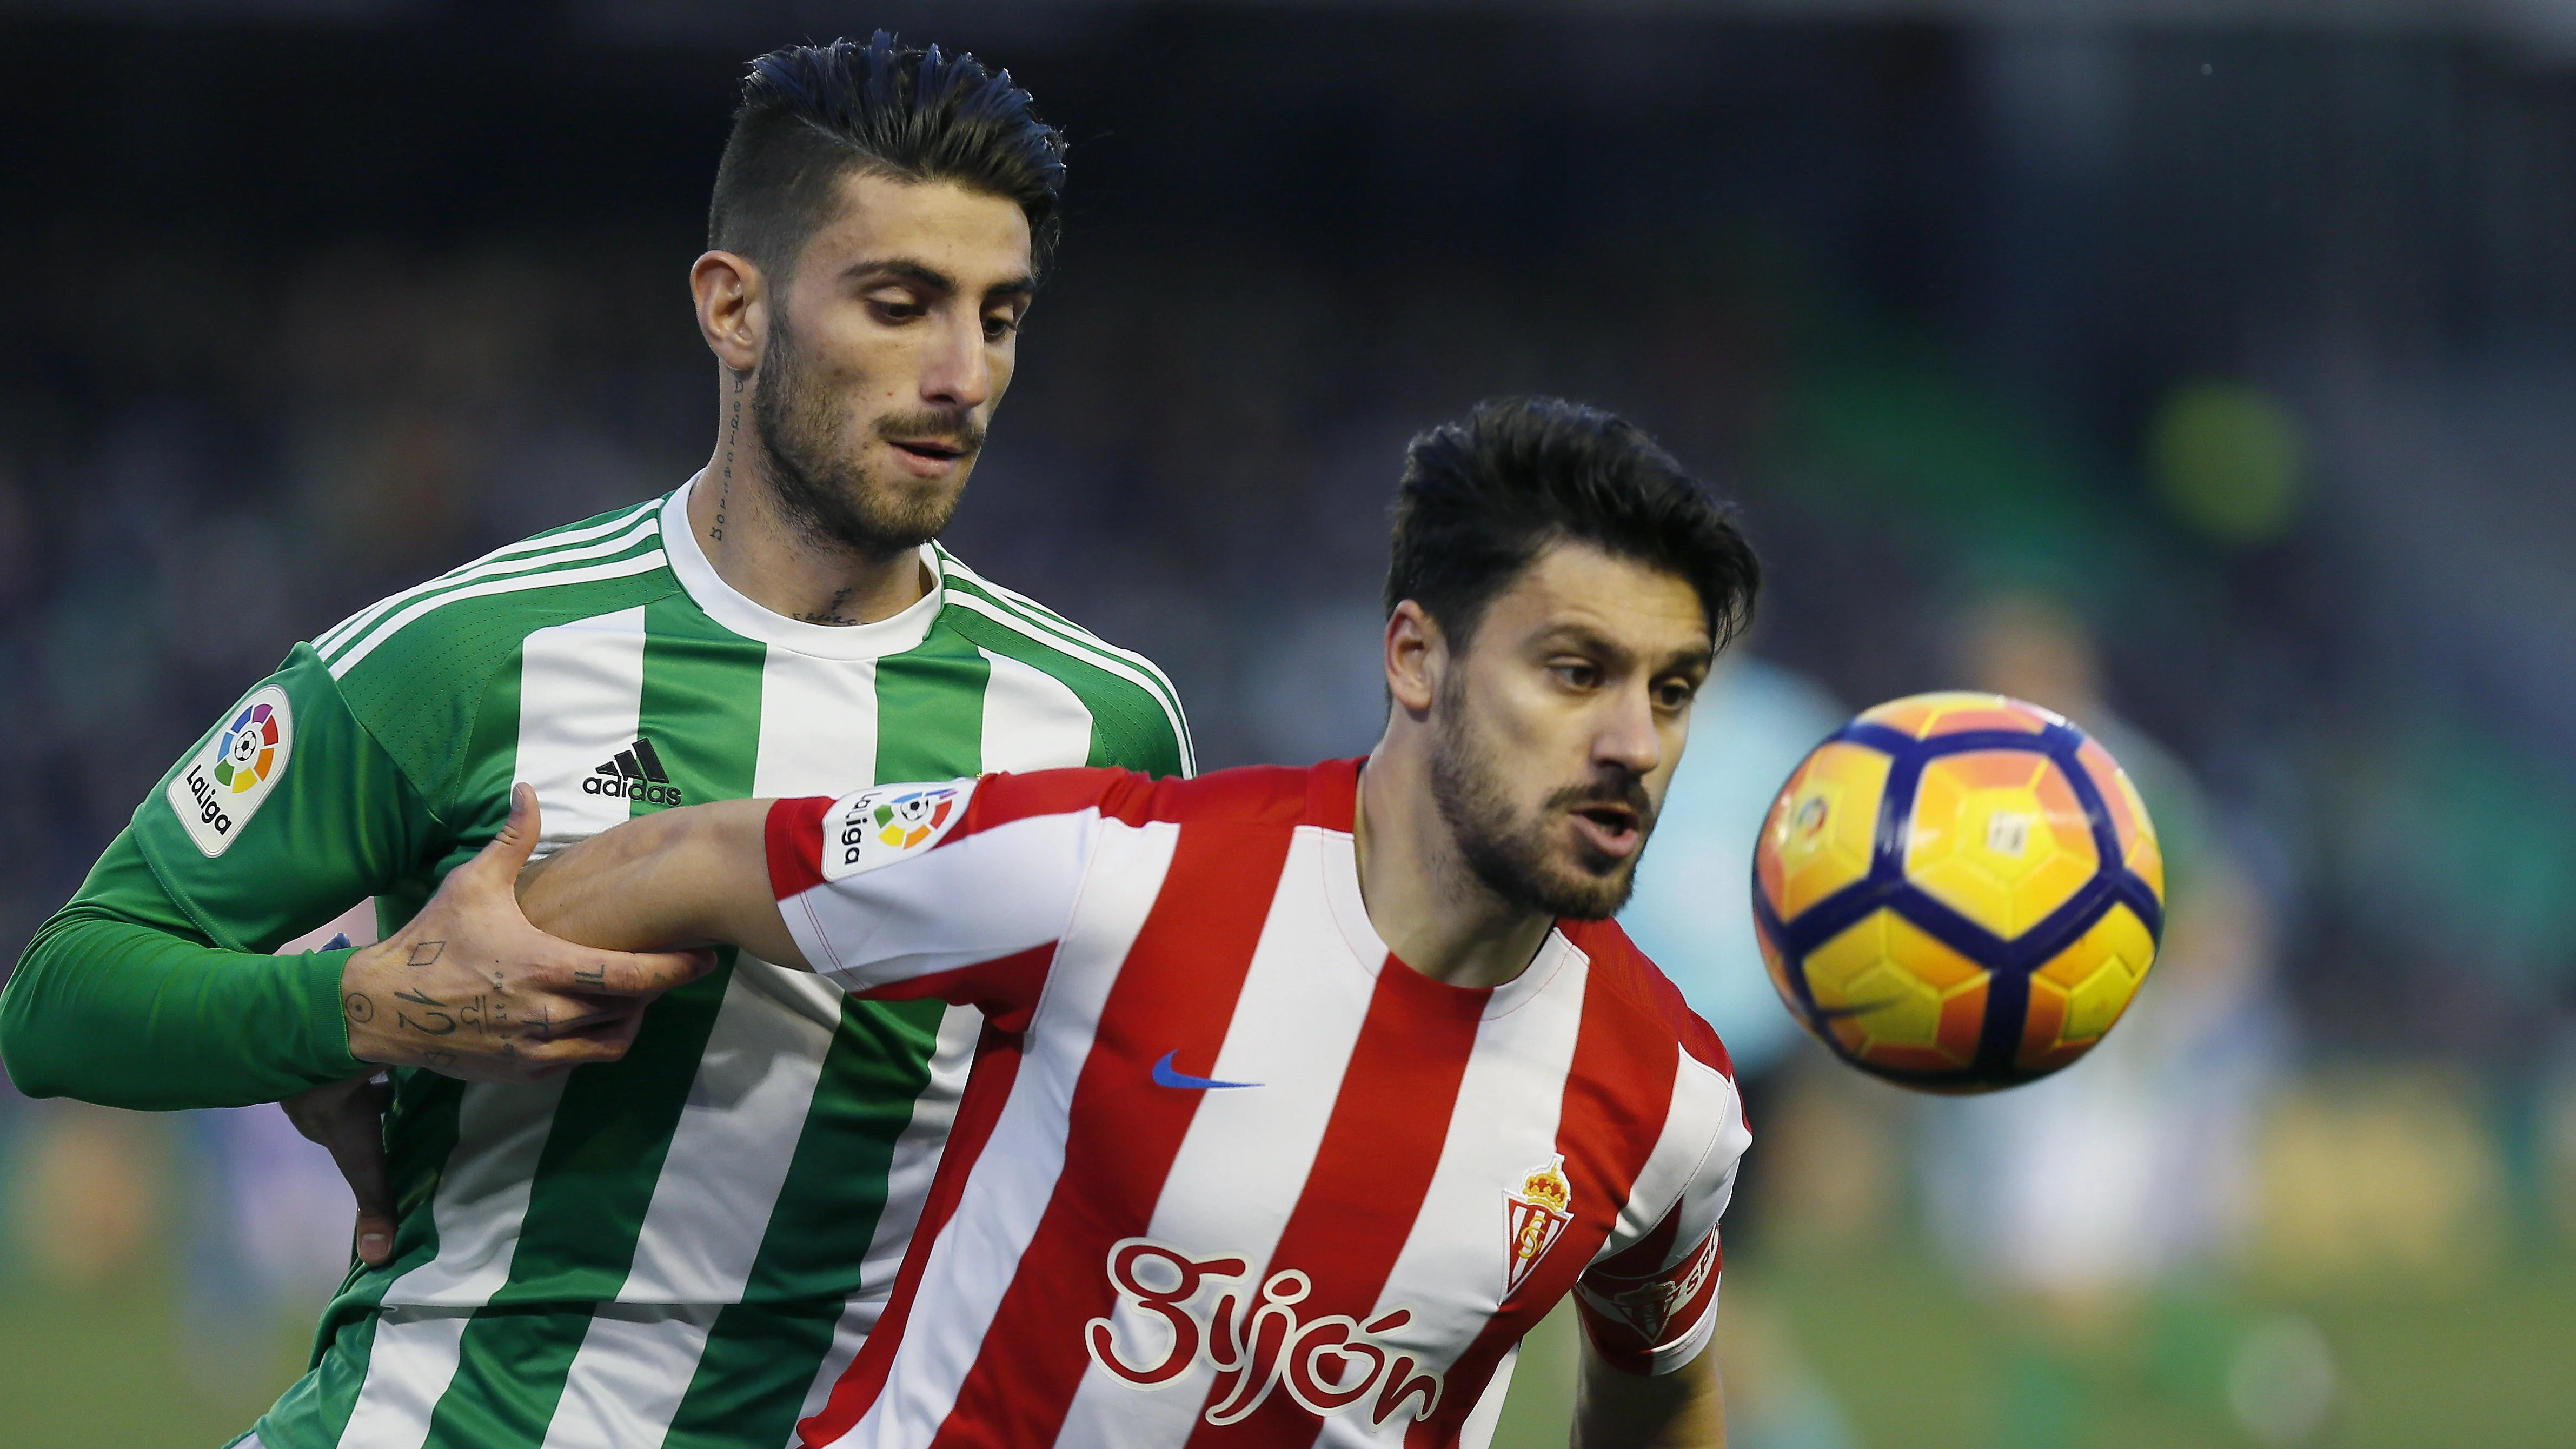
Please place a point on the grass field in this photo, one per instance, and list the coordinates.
(1910, 1360)
(1904, 1357)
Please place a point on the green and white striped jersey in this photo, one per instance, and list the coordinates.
(684, 1247)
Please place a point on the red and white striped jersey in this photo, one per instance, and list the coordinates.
(1226, 1171)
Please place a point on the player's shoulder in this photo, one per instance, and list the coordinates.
(1129, 696)
(1256, 795)
(452, 630)
(1634, 984)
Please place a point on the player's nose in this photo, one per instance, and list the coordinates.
(960, 371)
(1625, 735)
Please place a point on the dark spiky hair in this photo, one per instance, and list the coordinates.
(811, 114)
(1482, 497)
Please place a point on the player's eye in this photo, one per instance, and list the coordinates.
(1675, 694)
(1576, 673)
(894, 312)
(999, 326)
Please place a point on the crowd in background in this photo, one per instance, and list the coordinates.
(2213, 390)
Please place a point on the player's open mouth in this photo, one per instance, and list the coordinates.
(937, 452)
(1611, 829)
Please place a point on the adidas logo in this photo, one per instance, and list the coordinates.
(636, 774)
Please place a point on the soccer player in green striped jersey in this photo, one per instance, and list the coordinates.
(681, 1239)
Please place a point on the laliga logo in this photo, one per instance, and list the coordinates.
(1256, 1342)
(246, 756)
(898, 824)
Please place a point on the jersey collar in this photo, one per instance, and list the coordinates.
(1331, 803)
(736, 611)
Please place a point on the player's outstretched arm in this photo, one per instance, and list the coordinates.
(694, 876)
(470, 989)
(1615, 1409)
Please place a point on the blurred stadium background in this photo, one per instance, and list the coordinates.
(2206, 371)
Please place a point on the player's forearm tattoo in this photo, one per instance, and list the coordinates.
(437, 1059)
(426, 953)
(359, 1008)
(591, 975)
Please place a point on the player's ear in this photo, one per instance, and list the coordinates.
(733, 307)
(1415, 655)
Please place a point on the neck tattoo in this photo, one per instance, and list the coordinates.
(733, 435)
(830, 613)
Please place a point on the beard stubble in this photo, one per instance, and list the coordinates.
(1508, 851)
(829, 493)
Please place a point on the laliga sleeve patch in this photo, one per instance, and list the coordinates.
(217, 792)
(880, 826)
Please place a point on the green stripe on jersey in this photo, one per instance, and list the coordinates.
(508, 1380)
(930, 720)
(699, 707)
(751, 1381)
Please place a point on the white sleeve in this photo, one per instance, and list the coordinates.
(905, 889)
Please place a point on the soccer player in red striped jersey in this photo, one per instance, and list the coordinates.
(1303, 1093)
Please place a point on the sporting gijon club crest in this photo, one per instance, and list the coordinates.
(1535, 1216)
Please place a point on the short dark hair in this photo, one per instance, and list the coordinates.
(1483, 496)
(811, 114)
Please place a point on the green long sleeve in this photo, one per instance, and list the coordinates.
(153, 987)
(120, 1001)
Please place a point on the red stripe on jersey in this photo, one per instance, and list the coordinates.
(1618, 1090)
(988, 1090)
(1614, 955)
(1333, 795)
(1256, 795)
(1005, 988)
(1001, 799)
(1176, 992)
(793, 834)
(1371, 1172)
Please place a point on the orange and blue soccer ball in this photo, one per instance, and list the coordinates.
(1958, 892)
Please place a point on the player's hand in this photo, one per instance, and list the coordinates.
(471, 990)
(349, 1119)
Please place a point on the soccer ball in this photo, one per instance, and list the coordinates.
(1958, 892)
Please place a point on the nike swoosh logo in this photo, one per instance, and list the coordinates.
(1165, 1076)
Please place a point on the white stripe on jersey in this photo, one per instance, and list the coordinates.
(628, 1377)
(1705, 1120)
(534, 553)
(581, 692)
(414, 1359)
(1451, 1271)
(616, 569)
(1017, 1170)
(1032, 720)
(818, 725)
(1293, 1030)
(482, 1195)
(732, 1146)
